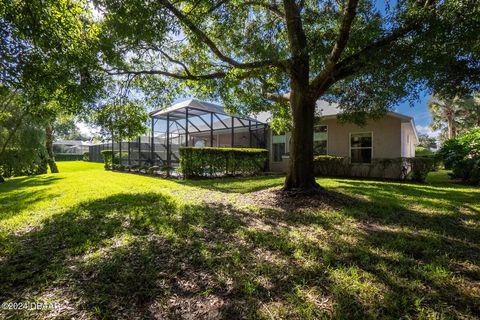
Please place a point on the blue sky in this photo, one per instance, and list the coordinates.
(418, 109)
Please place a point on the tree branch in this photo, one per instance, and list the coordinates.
(214, 48)
(297, 41)
(352, 63)
(281, 98)
(209, 76)
(273, 7)
(381, 43)
(349, 14)
(187, 71)
(179, 76)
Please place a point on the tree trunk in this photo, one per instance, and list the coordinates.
(49, 146)
(452, 130)
(301, 176)
(450, 125)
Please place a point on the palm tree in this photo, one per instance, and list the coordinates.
(444, 113)
(454, 116)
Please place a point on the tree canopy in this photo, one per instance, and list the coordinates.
(48, 56)
(242, 51)
(48, 51)
(279, 56)
(284, 55)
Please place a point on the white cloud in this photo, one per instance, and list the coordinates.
(428, 131)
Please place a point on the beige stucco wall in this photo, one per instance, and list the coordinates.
(408, 140)
(385, 134)
(386, 139)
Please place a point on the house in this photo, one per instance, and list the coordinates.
(70, 147)
(365, 148)
(192, 122)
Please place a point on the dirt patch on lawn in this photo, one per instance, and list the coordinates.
(276, 198)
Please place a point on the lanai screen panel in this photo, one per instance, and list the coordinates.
(198, 124)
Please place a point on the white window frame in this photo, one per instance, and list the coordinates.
(350, 148)
(321, 125)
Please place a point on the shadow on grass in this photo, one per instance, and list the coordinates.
(456, 205)
(146, 255)
(235, 185)
(422, 263)
(20, 193)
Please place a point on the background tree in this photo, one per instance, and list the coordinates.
(22, 139)
(426, 141)
(454, 116)
(65, 128)
(470, 115)
(445, 113)
(48, 54)
(120, 121)
(274, 55)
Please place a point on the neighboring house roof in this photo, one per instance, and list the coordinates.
(72, 142)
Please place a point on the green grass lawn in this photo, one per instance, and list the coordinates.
(115, 245)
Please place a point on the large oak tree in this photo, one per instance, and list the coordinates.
(283, 55)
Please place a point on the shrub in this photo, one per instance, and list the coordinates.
(117, 155)
(468, 170)
(86, 156)
(166, 168)
(134, 168)
(423, 152)
(20, 163)
(68, 157)
(153, 169)
(420, 167)
(201, 162)
(452, 152)
(329, 165)
(107, 159)
(462, 155)
(118, 167)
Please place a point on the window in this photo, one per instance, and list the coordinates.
(320, 138)
(361, 147)
(278, 147)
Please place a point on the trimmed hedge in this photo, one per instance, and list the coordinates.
(329, 165)
(395, 168)
(209, 162)
(86, 156)
(68, 157)
(107, 156)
